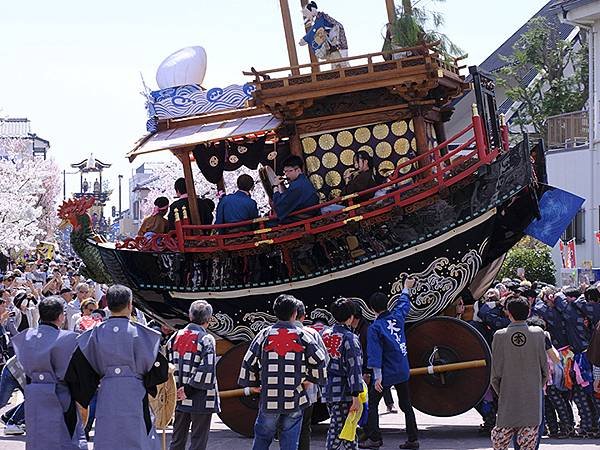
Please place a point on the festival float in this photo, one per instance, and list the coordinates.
(446, 213)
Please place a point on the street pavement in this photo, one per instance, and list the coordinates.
(440, 433)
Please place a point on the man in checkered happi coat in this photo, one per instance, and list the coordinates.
(192, 351)
(284, 361)
(344, 381)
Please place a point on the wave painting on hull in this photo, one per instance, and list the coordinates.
(192, 99)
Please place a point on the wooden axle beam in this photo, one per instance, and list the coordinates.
(430, 370)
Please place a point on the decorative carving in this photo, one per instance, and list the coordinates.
(155, 243)
(357, 101)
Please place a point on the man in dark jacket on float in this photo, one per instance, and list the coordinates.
(205, 206)
(300, 193)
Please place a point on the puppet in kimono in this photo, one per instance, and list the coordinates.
(192, 352)
(44, 353)
(326, 36)
(123, 358)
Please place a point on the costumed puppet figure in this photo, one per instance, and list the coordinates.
(123, 358)
(326, 37)
(45, 352)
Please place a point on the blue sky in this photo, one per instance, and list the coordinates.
(73, 67)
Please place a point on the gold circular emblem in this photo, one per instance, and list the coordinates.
(312, 163)
(309, 145)
(406, 168)
(272, 155)
(333, 178)
(411, 125)
(362, 135)
(385, 168)
(345, 138)
(347, 157)
(383, 149)
(366, 148)
(399, 128)
(381, 131)
(242, 149)
(233, 159)
(335, 193)
(213, 161)
(329, 160)
(316, 180)
(326, 142)
(413, 144)
(401, 146)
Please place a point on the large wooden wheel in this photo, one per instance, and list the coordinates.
(445, 340)
(239, 414)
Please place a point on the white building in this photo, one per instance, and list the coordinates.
(575, 165)
(144, 174)
(20, 128)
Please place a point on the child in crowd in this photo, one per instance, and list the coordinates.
(344, 380)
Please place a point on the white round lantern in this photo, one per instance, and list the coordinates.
(185, 66)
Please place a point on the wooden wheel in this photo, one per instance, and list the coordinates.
(239, 414)
(445, 340)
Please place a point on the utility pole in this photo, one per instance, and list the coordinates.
(120, 178)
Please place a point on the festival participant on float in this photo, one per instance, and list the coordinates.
(314, 390)
(300, 193)
(388, 358)
(344, 372)
(156, 222)
(362, 178)
(239, 206)
(45, 352)
(192, 351)
(284, 361)
(123, 358)
(205, 206)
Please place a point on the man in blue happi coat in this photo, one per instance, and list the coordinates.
(192, 352)
(344, 372)
(300, 193)
(388, 358)
(45, 352)
(239, 206)
(284, 361)
(123, 358)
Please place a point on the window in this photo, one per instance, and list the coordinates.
(576, 228)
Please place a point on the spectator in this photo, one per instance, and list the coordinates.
(86, 319)
(519, 372)
(26, 312)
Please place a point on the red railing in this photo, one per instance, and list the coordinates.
(434, 172)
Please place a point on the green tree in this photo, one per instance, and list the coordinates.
(415, 24)
(562, 82)
(534, 257)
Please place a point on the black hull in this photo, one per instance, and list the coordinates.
(444, 241)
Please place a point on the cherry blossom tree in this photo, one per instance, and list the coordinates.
(28, 191)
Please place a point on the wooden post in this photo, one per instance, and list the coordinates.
(391, 11)
(289, 35)
(189, 184)
(296, 145)
(313, 59)
(420, 133)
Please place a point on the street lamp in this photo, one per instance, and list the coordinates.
(120, 178)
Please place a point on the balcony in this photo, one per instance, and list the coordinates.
(567, 131)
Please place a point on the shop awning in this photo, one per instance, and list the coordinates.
(190, 135)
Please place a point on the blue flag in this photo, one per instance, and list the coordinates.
(557, 209)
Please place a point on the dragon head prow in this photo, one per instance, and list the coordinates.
(73, 209)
